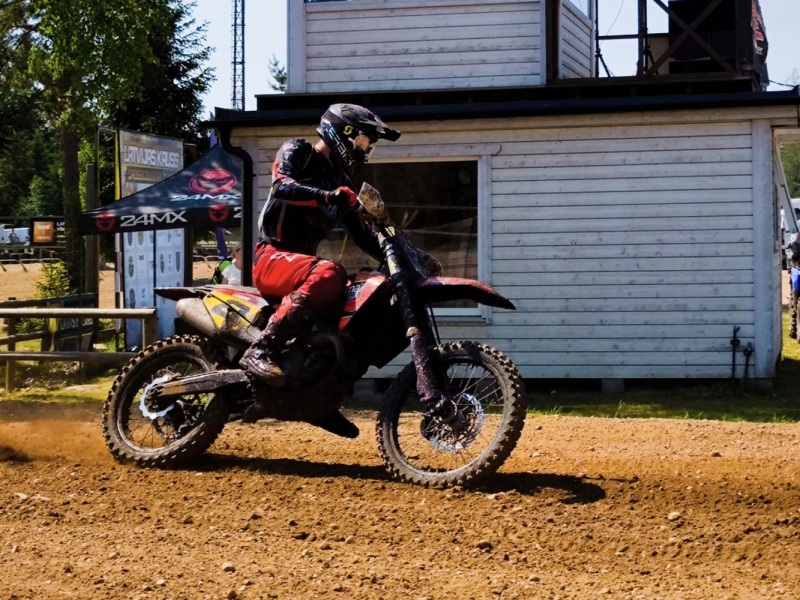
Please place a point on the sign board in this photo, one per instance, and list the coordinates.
(146, 160)
(43, 232)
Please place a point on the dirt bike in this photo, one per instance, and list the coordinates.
(451, 417)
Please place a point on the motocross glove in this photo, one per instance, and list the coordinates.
(344, 198)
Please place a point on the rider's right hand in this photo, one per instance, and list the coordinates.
(344, 198)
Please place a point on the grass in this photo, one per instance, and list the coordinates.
(711, 401)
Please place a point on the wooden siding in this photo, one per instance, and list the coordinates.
(627, 242)
(577, 53)
(374, 45)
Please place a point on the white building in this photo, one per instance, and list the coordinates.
(633, 221)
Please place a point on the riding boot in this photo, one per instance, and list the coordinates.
(291, 320)
(338, 424)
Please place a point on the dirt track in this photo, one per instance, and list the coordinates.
(20, 283)
(581, 510)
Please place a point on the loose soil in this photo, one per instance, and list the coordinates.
(584, 508)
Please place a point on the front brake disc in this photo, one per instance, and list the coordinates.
(444, 438)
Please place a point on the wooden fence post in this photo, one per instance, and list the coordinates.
(149, 330)
(11, 365)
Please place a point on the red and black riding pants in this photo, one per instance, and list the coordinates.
(319, 283)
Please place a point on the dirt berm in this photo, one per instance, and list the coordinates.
(584, 508)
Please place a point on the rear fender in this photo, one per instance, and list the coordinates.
(444, 289)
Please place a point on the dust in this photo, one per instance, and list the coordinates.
(17, 281)
(51, 441)
(13, 411)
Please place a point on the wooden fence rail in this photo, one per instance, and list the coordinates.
(74, 301)
(13, 315)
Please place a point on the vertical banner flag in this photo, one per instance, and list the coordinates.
(149, 258)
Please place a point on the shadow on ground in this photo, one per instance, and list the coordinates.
(578, 490)
(8, 454)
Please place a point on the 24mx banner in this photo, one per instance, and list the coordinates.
(206, 194)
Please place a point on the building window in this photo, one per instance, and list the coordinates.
(584, 6)
(436, 204)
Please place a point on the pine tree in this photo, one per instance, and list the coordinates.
(277, 73)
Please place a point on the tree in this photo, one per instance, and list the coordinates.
(790, 153)
(168, 100)
(277, 73)
(84, 58)
(44, 193)
(15, 114)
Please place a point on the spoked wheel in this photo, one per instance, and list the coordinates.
(472, 432)
(137, 429)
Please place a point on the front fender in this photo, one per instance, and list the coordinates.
(444, 289)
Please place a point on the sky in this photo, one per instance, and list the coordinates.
(266, 37)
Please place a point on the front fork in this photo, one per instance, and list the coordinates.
(427, 386)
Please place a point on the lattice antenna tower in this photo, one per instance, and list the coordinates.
(237, 99)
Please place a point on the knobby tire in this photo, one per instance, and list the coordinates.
(199, 439)
(499, 449)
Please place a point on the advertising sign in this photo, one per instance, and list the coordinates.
(43, 232)
(146, 160)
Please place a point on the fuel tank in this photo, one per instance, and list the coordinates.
(372, 319)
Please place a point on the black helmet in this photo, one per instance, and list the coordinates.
(795, 248)
(340, 127)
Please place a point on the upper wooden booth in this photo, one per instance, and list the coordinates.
(404, 45)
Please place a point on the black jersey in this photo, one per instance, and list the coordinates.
(297, 216)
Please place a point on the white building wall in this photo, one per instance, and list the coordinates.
(374, 45)
(577, 33)
(627, 242)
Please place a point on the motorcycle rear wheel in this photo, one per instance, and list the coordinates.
(182, 432)
(485, 388)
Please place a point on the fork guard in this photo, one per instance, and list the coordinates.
(444, 289)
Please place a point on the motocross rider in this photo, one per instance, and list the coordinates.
(309, 197)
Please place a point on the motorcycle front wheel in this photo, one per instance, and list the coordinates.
(137, 432)
(472, 434)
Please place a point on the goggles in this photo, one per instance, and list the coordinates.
(363, 143)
